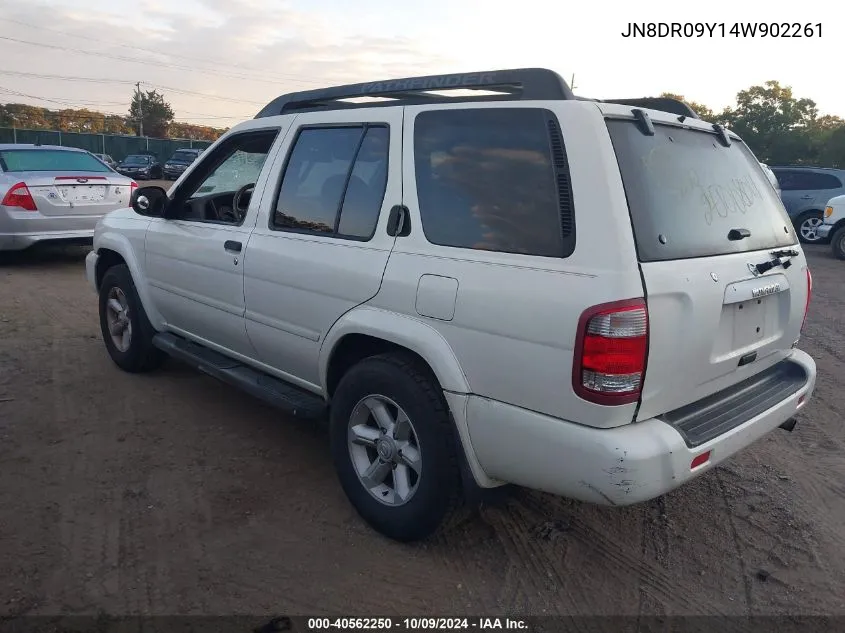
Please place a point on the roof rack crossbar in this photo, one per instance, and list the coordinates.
(521, 83)
(665, 104)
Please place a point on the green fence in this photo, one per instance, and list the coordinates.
(115, 145)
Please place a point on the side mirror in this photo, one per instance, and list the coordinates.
(149, 201)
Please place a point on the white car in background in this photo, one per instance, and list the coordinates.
(834, 225)
(55, 194)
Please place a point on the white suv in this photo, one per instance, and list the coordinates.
(834, 226)
(599, 300)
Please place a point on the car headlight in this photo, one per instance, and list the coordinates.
(828, 212)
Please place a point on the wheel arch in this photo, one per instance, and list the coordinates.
(840, 224)
(114, 249)
(367, 331)
(804, 215)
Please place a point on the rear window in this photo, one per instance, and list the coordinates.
(186, 156)
(137, 160)
(49, 160)
(686, 191)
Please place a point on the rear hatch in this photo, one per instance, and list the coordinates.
(78, 193)
(712, 239)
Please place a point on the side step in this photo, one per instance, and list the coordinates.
(280, 394)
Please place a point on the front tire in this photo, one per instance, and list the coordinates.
(394, 447)
(837, 243)
(126, 330)
(806, 226)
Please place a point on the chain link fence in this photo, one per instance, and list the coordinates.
(117, 146)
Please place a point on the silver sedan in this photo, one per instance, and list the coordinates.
(55, 194)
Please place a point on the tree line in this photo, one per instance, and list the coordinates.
(148, 111)
(780, 128)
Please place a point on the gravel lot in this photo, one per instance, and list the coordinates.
(173, 494)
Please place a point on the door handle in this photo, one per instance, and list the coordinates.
(806, 197)
(231, 245)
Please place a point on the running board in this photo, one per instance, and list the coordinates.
(278, 393)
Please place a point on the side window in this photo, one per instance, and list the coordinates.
(334, 182)
(494, 179)
(218, 188)
(807, 181)
(786, 179)
(824, 181)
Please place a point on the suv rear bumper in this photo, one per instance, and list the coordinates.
(619, 466)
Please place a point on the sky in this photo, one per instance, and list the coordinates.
(219, 61)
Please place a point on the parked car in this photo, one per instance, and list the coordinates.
(140, 166)
(176, 164)
(476, 291)
(108, 160)
(55, 194)
(805, 192)
(833, 227)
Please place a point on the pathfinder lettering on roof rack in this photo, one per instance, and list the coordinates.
(431, 83)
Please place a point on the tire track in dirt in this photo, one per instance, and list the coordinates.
(532, 564)
(736, 543)
(87, 515)
(774, 538)
(656, 583)
(653, 543)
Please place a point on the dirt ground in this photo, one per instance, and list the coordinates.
(173, 494)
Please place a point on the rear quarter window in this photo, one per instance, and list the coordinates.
(494, 179)
(686, 191)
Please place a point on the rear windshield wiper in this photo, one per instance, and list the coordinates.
(780, 259)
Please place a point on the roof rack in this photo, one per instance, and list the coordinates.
(665, 104)
(802, 167)
(520, 83)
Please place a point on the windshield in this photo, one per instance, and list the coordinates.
(49, 160)
(238, 169)
(136, 160)
(183, 157)
(686, 191)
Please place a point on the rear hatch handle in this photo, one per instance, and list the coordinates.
(738, 234)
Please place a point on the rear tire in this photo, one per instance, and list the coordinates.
(806, 226)
(402, 502)
(127, 332)
(837, 243)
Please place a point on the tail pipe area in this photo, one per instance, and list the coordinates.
(789, 425)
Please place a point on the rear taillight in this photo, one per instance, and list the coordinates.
(610, 352)
(19, 196)
(809, 294)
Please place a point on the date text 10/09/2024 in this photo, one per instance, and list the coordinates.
(722, 29)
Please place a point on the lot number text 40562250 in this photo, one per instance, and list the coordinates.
(721, 29)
